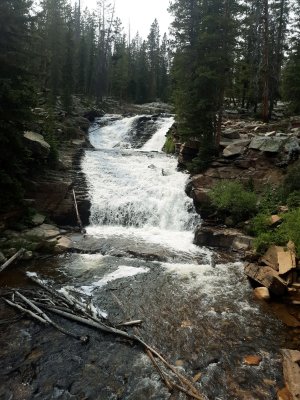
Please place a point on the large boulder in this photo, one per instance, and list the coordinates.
(275, 144)
(37, 145)
(267, 277)
(42, 232)
(222, 238)
(291, 372)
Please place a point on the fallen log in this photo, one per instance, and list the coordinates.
(49, 320)
(12, 259)
(193, 391)
(82, 230)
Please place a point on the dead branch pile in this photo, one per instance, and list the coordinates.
(39, 304)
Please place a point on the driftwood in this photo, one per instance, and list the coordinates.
(12, 259)
(67, 306)
(82, 230)
(49, 321)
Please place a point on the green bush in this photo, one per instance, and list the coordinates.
(290, 228)
(232, 199)
(269, 199)
(169, 146)
(292, 180)
(293, 201)
(259, 224)
(266, 239)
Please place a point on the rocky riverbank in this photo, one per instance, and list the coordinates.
(56, 142)
(258, 155)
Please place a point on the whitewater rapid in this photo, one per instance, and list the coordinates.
(138, 192)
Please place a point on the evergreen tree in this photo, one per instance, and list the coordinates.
(16, 95)
(204, 34)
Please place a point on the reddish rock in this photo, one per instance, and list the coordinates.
(253, 360)
(267, 277)
(262, 293)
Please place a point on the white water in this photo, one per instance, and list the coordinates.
(138, 193)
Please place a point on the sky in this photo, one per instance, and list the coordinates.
(140, 14)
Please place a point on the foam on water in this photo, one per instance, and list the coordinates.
(123, 271)
(138, 193)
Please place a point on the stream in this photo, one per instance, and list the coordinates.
(196, 309)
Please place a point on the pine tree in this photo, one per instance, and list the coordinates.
(16, 96)
(204, 34)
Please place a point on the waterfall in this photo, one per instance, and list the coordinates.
(137, 191)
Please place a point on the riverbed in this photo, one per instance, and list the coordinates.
(138, 261)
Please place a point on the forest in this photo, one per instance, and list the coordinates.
(219, 52)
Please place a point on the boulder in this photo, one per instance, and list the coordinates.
(38, 219)
(37, 145)
(42, 232)
(231, 133)
(2, 258)
(262, 293)
(267, 277)
(291, 372)
(223, 238)
(279, 258)
(63, 244)
(253, 360)
(83, 123)
(91, 115)
(233, 150)
(275, 144)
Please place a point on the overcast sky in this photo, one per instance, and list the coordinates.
(140, 13)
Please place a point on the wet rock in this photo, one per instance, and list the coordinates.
(223, 238)
(63, 244)
(253, 360)
(91, 115)
(188, 151)
(2, 258)
(83, 123)
(37, 144)
(44, 231)
(38, 219)
(28, 255)
(267, 277)
(262, 293)
(291, 372)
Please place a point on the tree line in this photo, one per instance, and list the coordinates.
(243, 52)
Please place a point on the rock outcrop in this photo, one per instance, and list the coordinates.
(37, 145)
(222, 238)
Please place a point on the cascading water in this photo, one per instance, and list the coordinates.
(138, 191)
(138, 261)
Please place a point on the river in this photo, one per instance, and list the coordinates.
(196, 309)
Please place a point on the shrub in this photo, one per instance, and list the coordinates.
(169, 146)
(266, 239)
(290, 228)
(292, 179)
(269, 199)
(231, 198)
(259, 224)
(293, 201)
